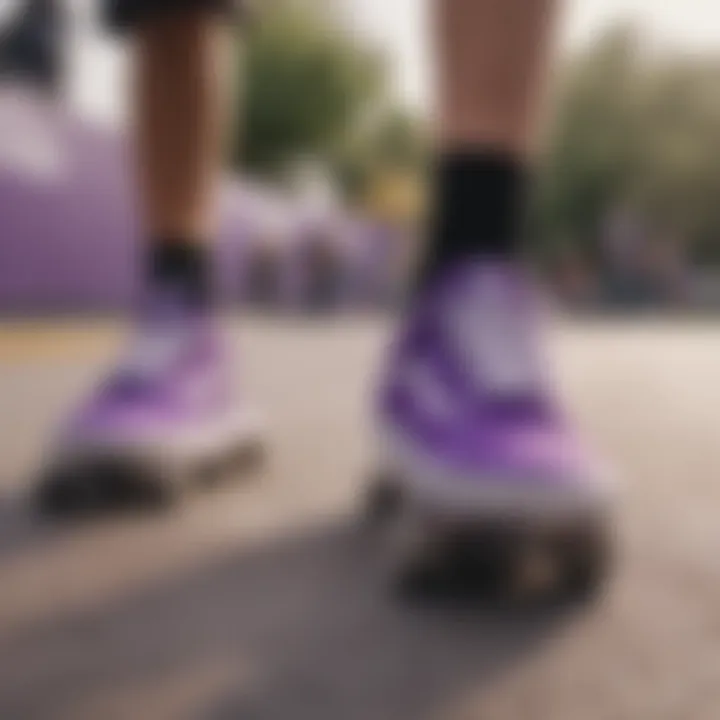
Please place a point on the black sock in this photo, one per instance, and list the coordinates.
(184, 266)
(480, 200)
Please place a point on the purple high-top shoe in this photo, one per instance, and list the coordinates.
(167, 415)
(469, 431)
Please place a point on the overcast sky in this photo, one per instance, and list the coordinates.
(400, 27)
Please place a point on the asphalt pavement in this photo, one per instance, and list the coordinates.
(256, 600)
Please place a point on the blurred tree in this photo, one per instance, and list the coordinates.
(590, 148)
(678, 176)
(384, 163)
(632, 130)
(308, 86)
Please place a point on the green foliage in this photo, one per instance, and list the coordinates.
(637, 131)
(631, 129)
(308, 86)
(393, 141)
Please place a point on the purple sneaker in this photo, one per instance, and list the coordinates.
(166, 416)
(470, 433)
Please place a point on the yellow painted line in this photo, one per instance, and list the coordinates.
(33, 340)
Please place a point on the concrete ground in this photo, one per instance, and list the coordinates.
(257, 601)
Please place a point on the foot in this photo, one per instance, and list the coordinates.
(468, 423)
(168, 405)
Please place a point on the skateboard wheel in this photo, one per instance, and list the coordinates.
(588, 565)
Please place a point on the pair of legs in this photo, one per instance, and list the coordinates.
(491, 56)
(467, 425)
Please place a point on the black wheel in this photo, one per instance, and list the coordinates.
(588, 565)
(55, 496)
(69, 491)
(159, 488)
(467, 566)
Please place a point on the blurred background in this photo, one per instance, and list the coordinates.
(330, 151)
(256, 600)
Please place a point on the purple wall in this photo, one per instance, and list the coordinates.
(65, 230)
(68, 235)
(68, 230)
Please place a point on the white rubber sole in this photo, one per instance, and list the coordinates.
(190, 443)
(438, 490)
(106, 472)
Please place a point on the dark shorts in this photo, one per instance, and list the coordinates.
(124, 14)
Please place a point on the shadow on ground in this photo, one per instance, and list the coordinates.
(20, 527)
(302, 629)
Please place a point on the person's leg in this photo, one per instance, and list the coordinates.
(468, 425)
(168, 410)
(181, 89)
(182, 57)
(491, 57)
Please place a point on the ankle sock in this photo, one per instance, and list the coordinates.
(184, 266)
(480, 200)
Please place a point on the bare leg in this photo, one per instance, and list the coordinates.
(168, 414)
(181, 99)
(470, 428)
(491, 57)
